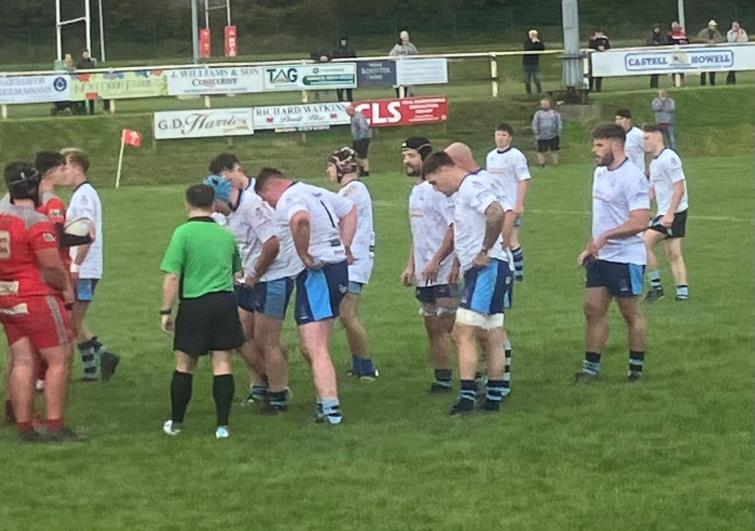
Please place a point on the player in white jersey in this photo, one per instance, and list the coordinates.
(511, 177)
(669, 186)
(343, 168)
(614, 257)
(463, 158)
(480, 246)
(431, 267)
(86, 265)
(634, 146)
(323, 225)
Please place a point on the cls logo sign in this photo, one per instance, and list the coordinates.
(282, 75)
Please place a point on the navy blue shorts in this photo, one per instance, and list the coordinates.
(487, 291)
(271, 298)
(245, 297)
(431, 294)
(85, 288)
(319, 292)
(622, 280)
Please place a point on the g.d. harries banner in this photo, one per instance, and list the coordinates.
(673, 60)
(203, 123)
(310, 77)
(215, 80)
(34, 89)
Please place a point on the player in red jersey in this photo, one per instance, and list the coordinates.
(32, 282)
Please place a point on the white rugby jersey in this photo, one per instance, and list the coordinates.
(614, 194)
(253, 223)
(473, 198)
(634, 147)
(85, 203)
(507, 168)
(430, 215)
(665, 170)
(325, 210)
(363, 246)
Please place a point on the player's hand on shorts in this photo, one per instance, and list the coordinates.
(250, 281)
(407, 277)
(310, 262)
(430, 273)
(167, 324)
(481, 260)
(69, 297)
(667, 220)
(349, 257)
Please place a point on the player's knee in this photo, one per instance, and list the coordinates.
(593, 311)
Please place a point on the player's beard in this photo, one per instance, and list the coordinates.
(411, 172)
(606, 160)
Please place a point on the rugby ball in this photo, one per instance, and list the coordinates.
(77, 232)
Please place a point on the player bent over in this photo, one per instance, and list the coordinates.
(199, 265)
(32, 281)
(323, 226)
(478, 244)
(343, 168)
(614, 258)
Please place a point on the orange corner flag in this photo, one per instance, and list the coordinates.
(132, 138)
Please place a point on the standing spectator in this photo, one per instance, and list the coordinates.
(319, 56)
(361, 135)
(677, 35)
(599, 43)
(344, 51)
(656, 38)
(710, 35)
(86, 63)
(403, 47)
(664, 108)
(547, 126)
(735, 34)
(531, 62)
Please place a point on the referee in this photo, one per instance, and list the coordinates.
(199, 266)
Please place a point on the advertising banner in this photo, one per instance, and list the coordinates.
(212, 80)
(34, 89)
(673, 60)
(231, 41)
(310, 77)
(119, 85)
(407, 111)
(283, 118)
(203, 123)
(205, 43)
(422, 71)
(376, 73)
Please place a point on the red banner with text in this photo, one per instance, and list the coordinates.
(407, 111)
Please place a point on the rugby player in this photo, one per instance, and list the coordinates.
(200, 265)
(633, 146)
(431, 268)
(479, 244)
(614, 257)
(86, 265)
(32, 282)
(343, 168)
(323, 225)
(669, 187)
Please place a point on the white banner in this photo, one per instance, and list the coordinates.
(422, 71)
(320, 76)
(203, 123)
(300, 117)
(35, 89)
(671, 60)
(212, 80)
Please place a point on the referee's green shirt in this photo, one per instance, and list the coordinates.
(204, 255)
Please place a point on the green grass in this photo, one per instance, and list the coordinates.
(672, 453)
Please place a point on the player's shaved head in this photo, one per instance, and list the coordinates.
(462, 156)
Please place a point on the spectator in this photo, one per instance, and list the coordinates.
(736, 34)
(86, 63)
(319, 56)
(59, 106)
(547, 126)
(710, 35)
(599, 43)
(677, 35)
(664, 108)
(531, 62)
(344, 51)
(361, 135)
(402, 48)
(656, 38)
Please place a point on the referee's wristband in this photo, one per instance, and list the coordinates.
(166, 312)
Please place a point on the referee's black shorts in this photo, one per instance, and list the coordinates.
(210, 322)
(361, 147)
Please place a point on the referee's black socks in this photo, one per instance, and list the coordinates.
(222, 392)
(180, 394)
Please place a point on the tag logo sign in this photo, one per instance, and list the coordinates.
(284, 76)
